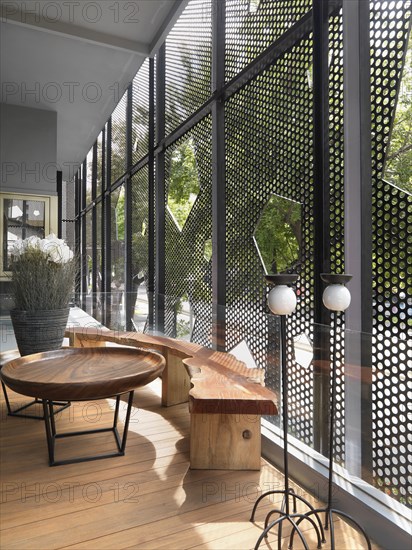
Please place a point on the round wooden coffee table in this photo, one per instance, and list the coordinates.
(80, 374)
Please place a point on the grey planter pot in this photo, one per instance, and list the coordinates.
(37, 331)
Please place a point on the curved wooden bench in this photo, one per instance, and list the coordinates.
(226, 398)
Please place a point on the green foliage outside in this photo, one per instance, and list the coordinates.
(180, 210)
(119, 216)
(278, 234)
(183, 181)
(140, 251)
(398, 168)
(183, 328)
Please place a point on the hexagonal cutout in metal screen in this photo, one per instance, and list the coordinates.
(278, 235)
(242, 352)
(303, 350)
(183, 184)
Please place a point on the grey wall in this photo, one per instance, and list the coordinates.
(28, 144)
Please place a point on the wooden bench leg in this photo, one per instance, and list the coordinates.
(175, 381)
(225, 442)
(84, 341)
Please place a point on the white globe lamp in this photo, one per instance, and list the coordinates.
(282, 300)
(336, 297)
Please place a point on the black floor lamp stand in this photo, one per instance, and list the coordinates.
(282, 301)
(335, 298)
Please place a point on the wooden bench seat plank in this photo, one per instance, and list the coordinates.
(220, 382)
(91, 336)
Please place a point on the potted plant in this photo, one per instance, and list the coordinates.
(42, 277)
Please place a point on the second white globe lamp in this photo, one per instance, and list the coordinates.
(336, 297)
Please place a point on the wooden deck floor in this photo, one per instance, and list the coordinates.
(146, 499)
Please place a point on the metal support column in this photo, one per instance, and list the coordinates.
(160, 190)
(77, 229)
(151, 198)
(94, 232)
(358, 237)
(128, 224)
(83, 253)
(102, 228)
(107, 266)
(218, 180)
(59, 185)
(321, 208)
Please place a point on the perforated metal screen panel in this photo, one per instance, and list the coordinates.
(188, 63)
(89, 163)
(118, 152)
(336, 145)
(117, 259)
(140, 110)
(88, 222)
(337, 214)
(98, 295)
(187, 269)
(98, 245)
(269, 150)
(140, 244)
(392, 253)
(253, 25)
(392, 348)
(99, 172)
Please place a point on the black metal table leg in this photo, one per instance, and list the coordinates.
(49, 435)
(127, 421)
(116, 412)
(6, 397)
(17, 412)
(115, 419)
(52, 435)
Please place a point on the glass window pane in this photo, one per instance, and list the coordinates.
(22, 219)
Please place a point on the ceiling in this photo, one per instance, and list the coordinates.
(77, 58)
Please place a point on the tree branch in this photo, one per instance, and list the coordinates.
(399, 152)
